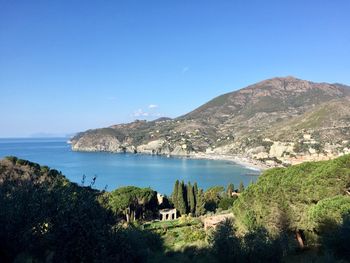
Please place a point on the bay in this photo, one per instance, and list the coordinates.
(116, 170)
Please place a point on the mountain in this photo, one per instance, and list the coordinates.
(276, 121)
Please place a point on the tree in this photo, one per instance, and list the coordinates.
(212, 197)
(241, 187)
(258, 246)
(174, 196)
(46, 218)
(195, 193)
(188, 194)
(225, 244)
(191, 199)
(181, 198)
(195, 189)
(332, 209)
(200, 210)
(226, 202)
(230, 189)
(298, 199)
(131, 201)
(337, 240)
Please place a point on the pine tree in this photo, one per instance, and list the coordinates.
(241, 187)
(200, 210)
(174, 196)
(190, 199)
(181, 198)
(230, 189)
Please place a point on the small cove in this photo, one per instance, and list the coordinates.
(116, 170)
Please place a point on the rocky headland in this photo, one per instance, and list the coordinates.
(276, 122)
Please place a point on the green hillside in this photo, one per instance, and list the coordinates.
(299, 198)
(46, 218)
(277, 110)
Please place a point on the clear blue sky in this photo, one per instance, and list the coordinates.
(66, 66)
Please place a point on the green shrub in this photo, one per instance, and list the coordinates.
(226, 202)
(288, 198)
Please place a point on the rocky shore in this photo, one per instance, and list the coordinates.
(153, 148)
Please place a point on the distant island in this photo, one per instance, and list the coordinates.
(276, 122)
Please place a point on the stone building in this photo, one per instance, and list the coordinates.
(167, 214)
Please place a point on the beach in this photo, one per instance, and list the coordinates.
(238, 159)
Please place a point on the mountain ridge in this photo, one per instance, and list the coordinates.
(244, 122)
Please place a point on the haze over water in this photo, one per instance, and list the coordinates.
(116, 170)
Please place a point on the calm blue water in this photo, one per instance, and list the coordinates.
(115, 170)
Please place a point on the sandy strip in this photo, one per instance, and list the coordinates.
(244, 161)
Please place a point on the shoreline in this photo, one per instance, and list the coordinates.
(246, 162)
(240, 160)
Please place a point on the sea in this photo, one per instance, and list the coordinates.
(113, 170)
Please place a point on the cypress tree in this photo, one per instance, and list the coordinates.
(190, 199)
(200, 210)
(174, 196)
(195, 189)
(195, 193)
(230, 189)
(241, 187)
(181, 198)
(184, 187)
(188, 196)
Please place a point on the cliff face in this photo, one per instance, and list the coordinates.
(278, 120)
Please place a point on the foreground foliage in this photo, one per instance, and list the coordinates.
(309, 199)
(255, 246)
(46, 218)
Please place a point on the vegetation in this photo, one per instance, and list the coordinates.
(200, 204)
(226, 202)
(241, 187)
(191, 200)
(230, 189)
(182, 198)
(175, 194)
(180, 222)
(298, 199)
(46, 218)
(255, 246)
(133, 202)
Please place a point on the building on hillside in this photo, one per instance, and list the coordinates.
(167, 214)
(235, 193)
